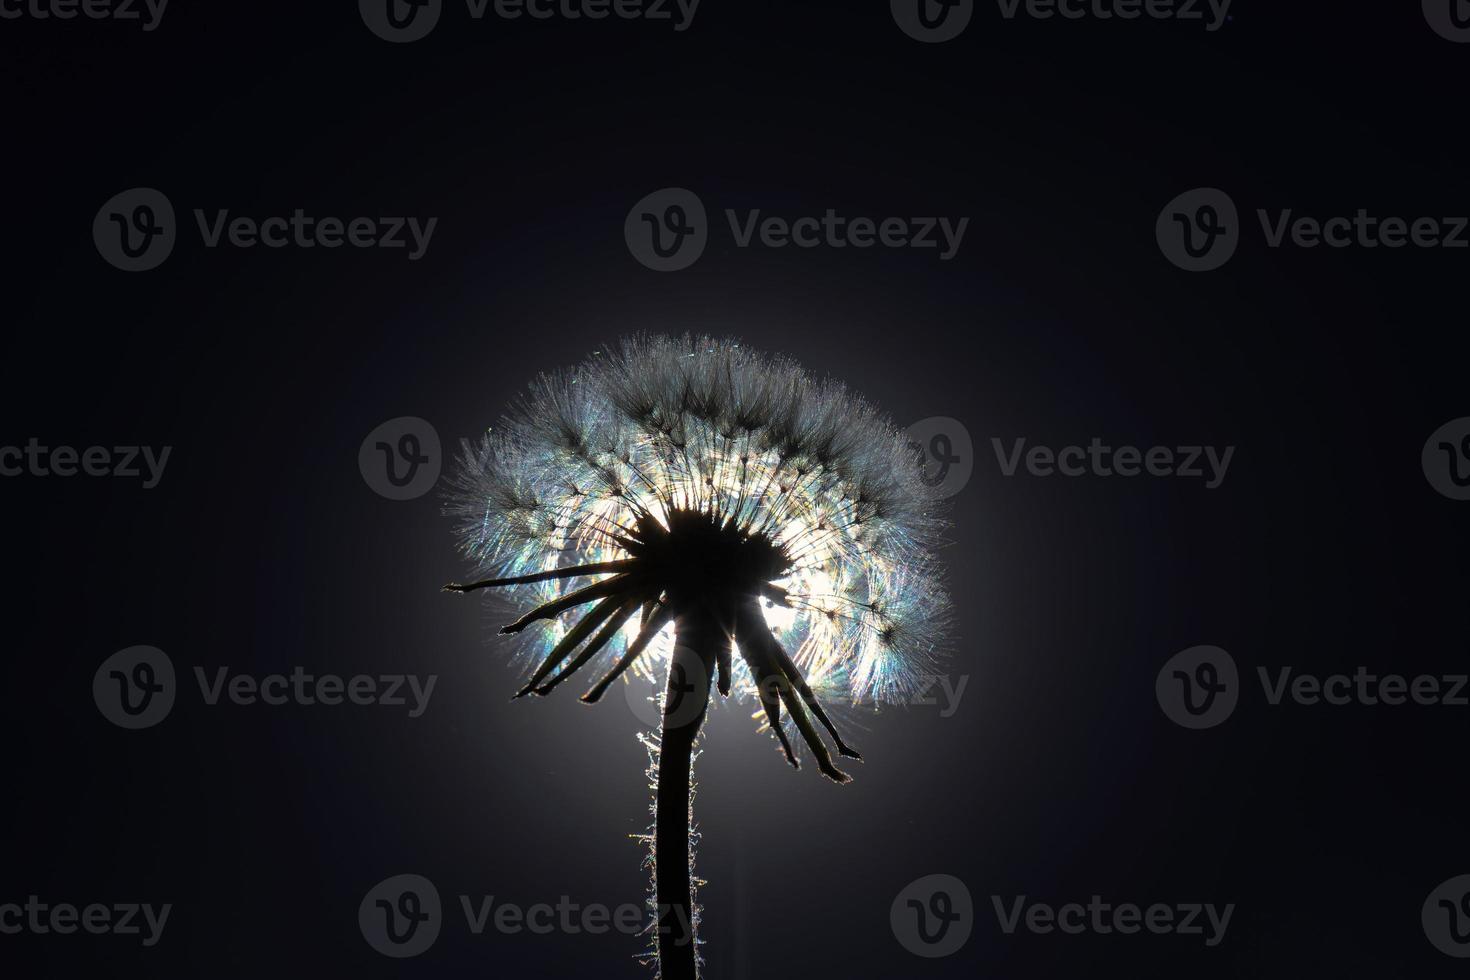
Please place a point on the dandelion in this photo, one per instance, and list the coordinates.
(674, 500)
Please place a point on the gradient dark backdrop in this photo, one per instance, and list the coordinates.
(1057, 778)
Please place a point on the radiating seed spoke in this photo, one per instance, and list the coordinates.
(574, 571)
(570, 601)
(655, 623)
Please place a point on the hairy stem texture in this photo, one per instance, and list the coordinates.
(699, 640)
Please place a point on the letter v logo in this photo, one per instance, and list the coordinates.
(400, 21)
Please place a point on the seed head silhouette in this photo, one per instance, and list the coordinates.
(673, 500)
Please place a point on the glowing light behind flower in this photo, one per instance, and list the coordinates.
(693, 424)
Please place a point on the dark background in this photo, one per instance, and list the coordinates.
(1057, 778)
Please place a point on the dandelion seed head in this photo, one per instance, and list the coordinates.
(657, 426)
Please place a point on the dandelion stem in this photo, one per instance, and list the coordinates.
(699, 640)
